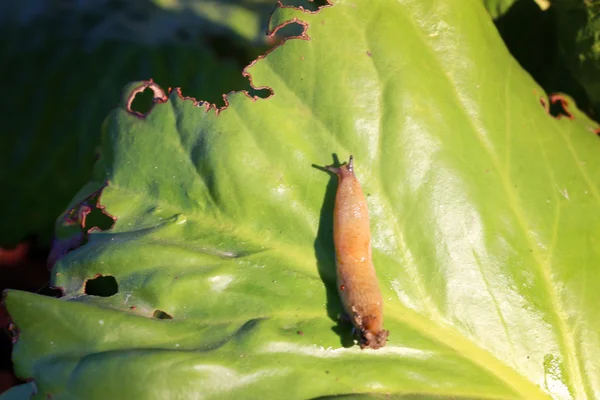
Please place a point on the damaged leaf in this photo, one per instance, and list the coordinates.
(484, 213)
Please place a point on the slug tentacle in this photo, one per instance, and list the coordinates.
(356, 279)
(344, 169)
(351, 164)
(335, 170)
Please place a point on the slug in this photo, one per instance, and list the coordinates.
(356, 279)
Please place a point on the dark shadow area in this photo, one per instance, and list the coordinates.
(531, 37)
(248, 327)
(102, 286)
(390, 396)
(308, 5)
(325, 254)
(238, 51)
(7, 377)
(160, 314)
(22, 267)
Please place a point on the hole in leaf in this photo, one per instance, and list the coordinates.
(160, 314)
(260, 93)
(293, 29)
(143, 101)
(102, 286)
(559, 107)
(87, 216)
(97, 219)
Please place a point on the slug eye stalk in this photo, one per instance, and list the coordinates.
(337, 170)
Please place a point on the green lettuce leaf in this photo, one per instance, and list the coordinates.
(218, 280)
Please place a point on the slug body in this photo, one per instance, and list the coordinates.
(356, 279)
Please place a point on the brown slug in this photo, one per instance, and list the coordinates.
(356, 279)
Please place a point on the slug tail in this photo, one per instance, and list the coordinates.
(370, 340)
